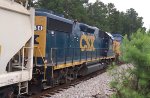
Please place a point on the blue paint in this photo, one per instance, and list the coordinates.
(63, 40)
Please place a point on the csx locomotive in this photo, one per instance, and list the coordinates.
(65, 49)
(50, 51)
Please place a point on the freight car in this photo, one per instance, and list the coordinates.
(16, 36)
(63, 49)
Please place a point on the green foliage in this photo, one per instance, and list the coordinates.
(72, 9)
(135, 82)
(104, 16)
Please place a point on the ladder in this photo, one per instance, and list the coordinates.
(23, 88)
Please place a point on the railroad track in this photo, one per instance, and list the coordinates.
(52, 91)
(55, 90)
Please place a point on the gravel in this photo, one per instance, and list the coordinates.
(97, 87)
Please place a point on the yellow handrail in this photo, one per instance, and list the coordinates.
(45, 65)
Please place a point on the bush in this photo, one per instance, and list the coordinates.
(134, 82)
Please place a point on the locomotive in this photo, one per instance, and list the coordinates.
(57, 52)
(65, 49)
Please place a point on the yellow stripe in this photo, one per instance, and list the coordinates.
(61, 66)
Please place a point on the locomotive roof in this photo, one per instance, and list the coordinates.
(87, 28)
(49, 14)
(82, 24)
(110, 35)
(117, 35)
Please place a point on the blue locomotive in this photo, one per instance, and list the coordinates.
(118, 37)
(65, 49)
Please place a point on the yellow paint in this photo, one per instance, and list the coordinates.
(88, 39)
(61, 66)
(40, 31)
(116, 47)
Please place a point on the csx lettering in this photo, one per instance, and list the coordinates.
(35, 39)
(89, 40)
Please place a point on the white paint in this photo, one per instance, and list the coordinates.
(17, 28)
(14, 33)
(13, 77)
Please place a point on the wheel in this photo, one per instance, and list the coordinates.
(9, 93)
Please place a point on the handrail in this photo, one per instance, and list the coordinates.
(95, 54)
(77, 48)
(45, 65)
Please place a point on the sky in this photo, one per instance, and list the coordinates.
(142, 7)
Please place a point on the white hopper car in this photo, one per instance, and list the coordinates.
(16, 47)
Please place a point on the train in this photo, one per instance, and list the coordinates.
(43, 49)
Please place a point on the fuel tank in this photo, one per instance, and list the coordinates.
(91, 67)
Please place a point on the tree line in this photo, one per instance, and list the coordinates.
(104, 16)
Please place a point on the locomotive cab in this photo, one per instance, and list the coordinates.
(106, 44)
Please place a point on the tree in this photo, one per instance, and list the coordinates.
(97, 12)
(132, 22)
(23, 2)
(135, 83)
(72, 9)
(103, 16)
